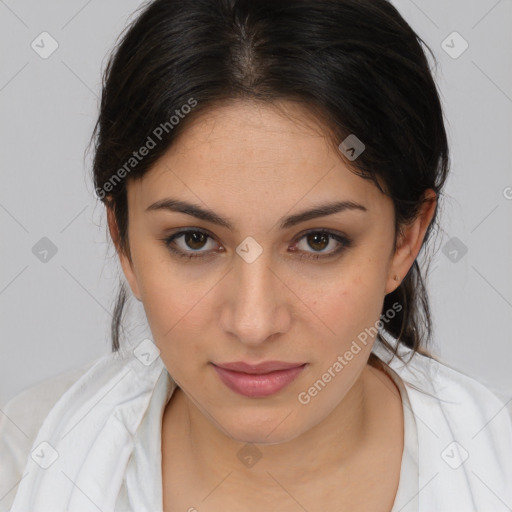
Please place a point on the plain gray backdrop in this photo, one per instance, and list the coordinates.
(55, 314)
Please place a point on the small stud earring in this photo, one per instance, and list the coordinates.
(396, 278)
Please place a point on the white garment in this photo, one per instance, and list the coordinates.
(105, 432)
(406, 499)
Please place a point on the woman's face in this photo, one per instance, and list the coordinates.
(257, 287)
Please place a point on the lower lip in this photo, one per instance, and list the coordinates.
(258, 385)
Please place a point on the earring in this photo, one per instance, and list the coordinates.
(396, 278)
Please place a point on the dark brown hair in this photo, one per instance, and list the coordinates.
(356, 64)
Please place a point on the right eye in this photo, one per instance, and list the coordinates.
(186, 244)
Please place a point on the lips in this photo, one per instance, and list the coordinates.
(258, 380)
(260, 368)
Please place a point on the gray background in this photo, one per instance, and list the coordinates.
(55, 315)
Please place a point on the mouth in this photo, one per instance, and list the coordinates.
(259, 380)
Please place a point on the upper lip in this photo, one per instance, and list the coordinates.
(264, 367)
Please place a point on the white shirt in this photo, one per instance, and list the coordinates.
(406, 499)
(91, 439)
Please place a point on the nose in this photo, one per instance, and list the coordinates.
(255, 307)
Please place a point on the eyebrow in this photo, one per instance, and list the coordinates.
(322, 210)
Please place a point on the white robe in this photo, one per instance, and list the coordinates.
(99, 447)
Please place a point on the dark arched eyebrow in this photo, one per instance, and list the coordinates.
(194, 210)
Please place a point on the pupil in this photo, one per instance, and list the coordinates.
(315, 237)
(194, 237)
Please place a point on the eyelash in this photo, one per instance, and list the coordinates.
(343, 240)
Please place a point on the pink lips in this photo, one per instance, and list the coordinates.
(258, 380)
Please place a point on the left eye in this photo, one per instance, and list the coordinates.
(319, 240)
(181, 242)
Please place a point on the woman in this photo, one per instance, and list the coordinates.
(271, 171)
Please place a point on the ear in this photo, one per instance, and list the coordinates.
(126, 264)
(409, 242)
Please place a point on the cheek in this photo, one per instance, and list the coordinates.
(346, 311)
(173, 307)
(172, 315)
(171, 295)
(352, 297)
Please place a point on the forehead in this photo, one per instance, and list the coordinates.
(253, 153)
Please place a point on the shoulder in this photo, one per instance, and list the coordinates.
(433, 383)
(455, 387)
(464, 428)
(20, 420)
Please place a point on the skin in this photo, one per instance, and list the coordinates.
(253, 165)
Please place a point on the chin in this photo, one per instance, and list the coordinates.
(262, 439)
(269, 432)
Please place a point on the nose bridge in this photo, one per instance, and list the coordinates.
(255, 304)
(255, 278)
(252, 267)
